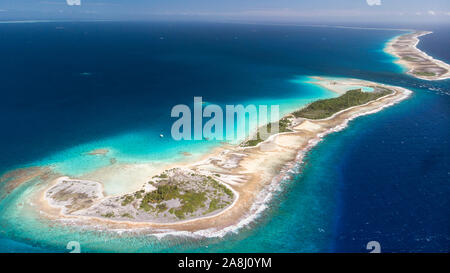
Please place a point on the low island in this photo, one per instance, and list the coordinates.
(418, 63)
(223, 190)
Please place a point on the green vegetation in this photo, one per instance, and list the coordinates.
(138, 194)
(188, 197)
(409, 59)
(108, 215)
(253, 142)
(146, 206)
(179, 214)
(215, 205)
(424, 73)
(190, 200)
(283, 125)
(161, 207)
(163, 176)
(162, 193)
(221, 187)
(325, 108)
(127, 200)
(127, 215)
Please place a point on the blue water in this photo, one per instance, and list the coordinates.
(401, 203)
(93, 85)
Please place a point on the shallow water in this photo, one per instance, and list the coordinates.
(356, 186)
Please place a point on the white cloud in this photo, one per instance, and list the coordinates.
(74, 2)
(418, 13)
(447, 13)
(431, 12)
(373, 2)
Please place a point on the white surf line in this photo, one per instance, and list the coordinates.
(424, 54)
(265, 195)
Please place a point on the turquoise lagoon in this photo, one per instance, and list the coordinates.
(126, 110)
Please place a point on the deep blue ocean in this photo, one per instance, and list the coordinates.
(384, 178)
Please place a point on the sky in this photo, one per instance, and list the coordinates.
(249, 10)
